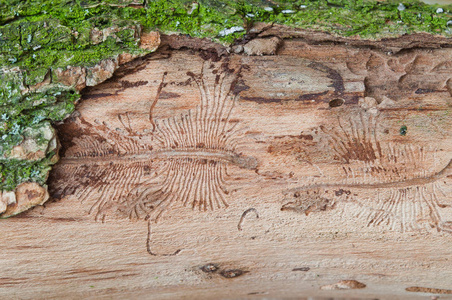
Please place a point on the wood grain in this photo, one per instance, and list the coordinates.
(322, 171)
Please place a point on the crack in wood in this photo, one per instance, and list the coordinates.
(157, 96)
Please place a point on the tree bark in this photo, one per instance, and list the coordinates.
(290, 165)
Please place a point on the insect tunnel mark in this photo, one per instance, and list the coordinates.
(148, 244)
(399, 186)
(180, 159)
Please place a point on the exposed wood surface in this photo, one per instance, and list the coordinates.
(322, 171)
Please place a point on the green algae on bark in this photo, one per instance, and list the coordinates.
(14, 171)
(39, 38)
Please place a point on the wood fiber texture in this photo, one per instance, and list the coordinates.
(324, 170)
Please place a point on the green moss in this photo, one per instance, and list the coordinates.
(14, 172)
(17, 121)
(38, 36)
(41, 34)
(403, 130)
(365, 19)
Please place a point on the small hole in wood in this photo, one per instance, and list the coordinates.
(336, 102)
(209, 268)
(232, 273)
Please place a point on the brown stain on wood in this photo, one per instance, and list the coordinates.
(308, 99)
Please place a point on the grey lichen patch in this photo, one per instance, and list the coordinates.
(102, 71)
(38, 141)
(27, 109)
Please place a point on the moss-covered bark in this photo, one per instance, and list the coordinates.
(39, 39)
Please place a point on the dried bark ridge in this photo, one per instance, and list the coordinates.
(181, 159)
(391, 184)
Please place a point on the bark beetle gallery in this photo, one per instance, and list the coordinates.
(391, 184)
(183, 160)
